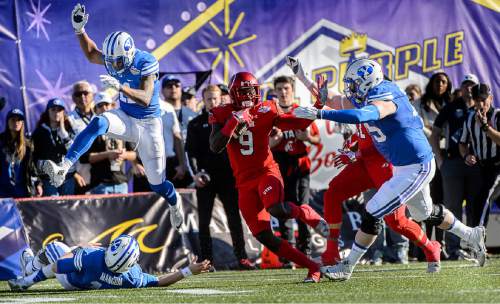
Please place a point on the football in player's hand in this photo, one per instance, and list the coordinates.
(240, 129)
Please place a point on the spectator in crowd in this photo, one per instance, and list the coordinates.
(459, 180)
(51, 139)
(107, 157)
(16, 167)
(213, 176)
(225, 98)
(437, 95)
(414, 93)
(290, 152)
(171, 89)
(480, 144)
(177, 167)
(189, 99)
(79, 118)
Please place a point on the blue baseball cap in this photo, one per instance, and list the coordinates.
(15, 112)
(55, 102)
(168, 80)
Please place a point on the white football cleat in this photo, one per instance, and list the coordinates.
(176, 217)
(322, 228)
(476, 243)
(26, 261)
(18, 284)
(56, 172)
(340, 272)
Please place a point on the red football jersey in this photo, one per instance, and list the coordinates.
(290, 143)
(365, 142)
(249, 154)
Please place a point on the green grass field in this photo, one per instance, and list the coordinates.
(457, 282)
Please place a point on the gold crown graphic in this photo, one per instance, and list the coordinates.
(355, 43)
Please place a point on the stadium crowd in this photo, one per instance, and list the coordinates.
(460, 124)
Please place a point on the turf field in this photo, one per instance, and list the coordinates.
(457, 282)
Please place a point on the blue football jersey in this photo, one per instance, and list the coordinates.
(90, 272)
(144, 64)
(399, 137)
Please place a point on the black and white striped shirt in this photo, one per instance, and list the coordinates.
(482, 146)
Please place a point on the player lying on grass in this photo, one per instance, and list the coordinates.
(94, 267)
(396, 130)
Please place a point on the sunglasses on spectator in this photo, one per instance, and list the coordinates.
(79, 93)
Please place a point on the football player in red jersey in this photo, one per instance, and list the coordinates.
(243, 127)
(365, 169)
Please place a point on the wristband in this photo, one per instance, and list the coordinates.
(186, 272)
(229, 127)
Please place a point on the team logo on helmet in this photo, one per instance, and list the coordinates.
(128, 44)
(365, 71)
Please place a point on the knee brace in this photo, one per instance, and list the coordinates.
(167, 190)
(370, 224)
(280, 211)
(268, 239)
(437, 215)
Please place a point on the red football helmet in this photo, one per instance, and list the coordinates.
(244, 90)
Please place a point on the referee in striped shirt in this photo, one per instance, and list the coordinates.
(480, 143)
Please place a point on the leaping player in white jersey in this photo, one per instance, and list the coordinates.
(134, 74)
(396, 130)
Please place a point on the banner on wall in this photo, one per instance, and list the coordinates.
(81, 219)
(41, 57)
(13, 239)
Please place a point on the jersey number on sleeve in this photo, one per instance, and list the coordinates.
(376, 133)
(246, 141)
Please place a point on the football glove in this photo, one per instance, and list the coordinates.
(79, 18)
(110, 82)
(310, 113)
(344, 158)
(294, 64)
(321, 94)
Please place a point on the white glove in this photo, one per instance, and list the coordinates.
(307, 112)
(110, 82)
(79, 18)
(294, 64)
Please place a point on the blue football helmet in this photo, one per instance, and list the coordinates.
(119, 51)
(122, 254)
(362, 75)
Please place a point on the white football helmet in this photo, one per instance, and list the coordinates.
(361, 75)
(119, 51)
(122, 254)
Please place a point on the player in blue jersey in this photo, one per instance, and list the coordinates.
(396, 130)
(96, 267)
(134, 74)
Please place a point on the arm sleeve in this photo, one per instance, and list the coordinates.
(352, 116)
(149, 65)
(290, 122)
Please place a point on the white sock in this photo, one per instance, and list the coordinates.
(459, 229)
(356, 253)
(32, 266)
